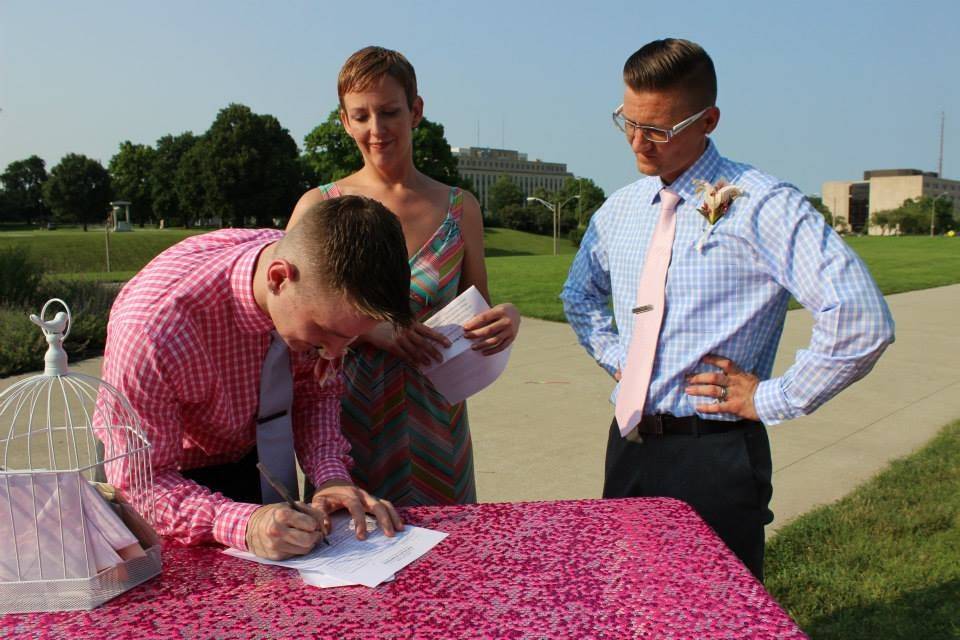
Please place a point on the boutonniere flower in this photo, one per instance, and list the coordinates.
(717, 199)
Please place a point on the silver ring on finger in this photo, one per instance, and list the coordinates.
(723, 394)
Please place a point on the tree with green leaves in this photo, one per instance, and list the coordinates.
(503, 193)
(944, 214)
(913, 216)
(533, 218)
(909, 218)
(131, 172)
(432, 154)
(330, 151)
(582, 208)
(190, 188)
(8, 213)
(817, 203)
(885, 220)
(332, 154)
(539, 219)
(163, 177)
(250, 168)
(23, 182)
(78, 190)
(578, 199)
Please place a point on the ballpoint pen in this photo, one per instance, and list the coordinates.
(282, 491)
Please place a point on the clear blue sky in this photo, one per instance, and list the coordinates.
(809, 91)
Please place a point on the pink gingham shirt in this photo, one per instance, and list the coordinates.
(185, 344)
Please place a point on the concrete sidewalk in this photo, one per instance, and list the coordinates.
(539, 432)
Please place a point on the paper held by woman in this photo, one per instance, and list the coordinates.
(463, 371)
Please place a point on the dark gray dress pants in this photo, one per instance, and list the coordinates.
(725, 477)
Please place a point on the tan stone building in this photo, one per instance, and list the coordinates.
(484, 165)
(883, 189)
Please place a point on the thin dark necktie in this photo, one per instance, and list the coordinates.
(274, 423)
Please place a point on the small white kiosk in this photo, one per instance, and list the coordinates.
(118, 224)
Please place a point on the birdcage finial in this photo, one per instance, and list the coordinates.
(55, 330)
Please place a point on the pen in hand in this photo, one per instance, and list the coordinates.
(283, 493)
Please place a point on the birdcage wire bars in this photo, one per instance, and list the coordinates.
(60, 432)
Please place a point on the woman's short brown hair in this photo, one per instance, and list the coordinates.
(673, 64)
(369, 65)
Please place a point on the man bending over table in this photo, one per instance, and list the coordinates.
(228, 347)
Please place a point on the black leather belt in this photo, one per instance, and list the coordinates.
(666, 424)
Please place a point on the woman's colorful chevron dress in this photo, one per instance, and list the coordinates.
(409, 445)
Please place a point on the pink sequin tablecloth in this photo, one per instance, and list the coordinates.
(632, 568)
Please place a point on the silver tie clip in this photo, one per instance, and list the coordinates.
(643, 309)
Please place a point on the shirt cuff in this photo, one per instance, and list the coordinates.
(331, 470)
(612, 358)
(771, 403)
(230, 524)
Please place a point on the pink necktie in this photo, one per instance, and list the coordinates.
(647, 316)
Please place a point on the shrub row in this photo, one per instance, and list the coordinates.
(23, 290)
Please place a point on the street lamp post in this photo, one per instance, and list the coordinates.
(933, 211)
(555, 210)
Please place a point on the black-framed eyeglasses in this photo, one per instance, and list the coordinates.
(653, 134)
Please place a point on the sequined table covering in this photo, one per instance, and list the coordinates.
(632, 568)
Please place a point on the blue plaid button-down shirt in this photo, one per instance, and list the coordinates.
(729, 296)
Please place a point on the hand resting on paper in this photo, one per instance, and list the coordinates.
(277, 532)
(338, 494)
(415, 344)
(493, 330)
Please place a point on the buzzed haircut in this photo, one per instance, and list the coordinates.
(355, 246)
(673, 63)
(366, 67)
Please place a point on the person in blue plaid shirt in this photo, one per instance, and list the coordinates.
(702, 437)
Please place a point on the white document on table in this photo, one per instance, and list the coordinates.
(323, 581)
(463, 370)
(350, 561)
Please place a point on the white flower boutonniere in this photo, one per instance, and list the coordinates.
(717, 199)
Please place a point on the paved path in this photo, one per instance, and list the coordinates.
(539, 432)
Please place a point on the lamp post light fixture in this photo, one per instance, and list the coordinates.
(933, 210)
(555, 210)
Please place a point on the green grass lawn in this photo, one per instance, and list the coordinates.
(521, 266)
(898, 264)
(883, 562)
(507, 242)
(910, 262)
(530, 282)
(74, 251)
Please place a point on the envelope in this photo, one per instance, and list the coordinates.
(42, 513)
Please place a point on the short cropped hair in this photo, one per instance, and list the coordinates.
(354, 246)
(673, 64)
(369, 65)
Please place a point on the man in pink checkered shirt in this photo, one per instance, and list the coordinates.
(186, 343)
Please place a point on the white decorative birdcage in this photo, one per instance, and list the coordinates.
(69, 540)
